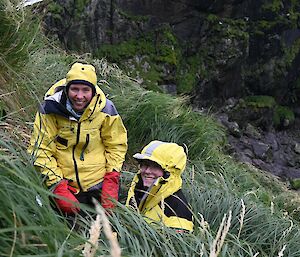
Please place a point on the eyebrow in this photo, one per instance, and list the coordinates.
(150, 163)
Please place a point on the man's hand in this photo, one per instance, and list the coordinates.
(110, 189)
(63, 189)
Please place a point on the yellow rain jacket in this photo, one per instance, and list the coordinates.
(163, 201)
(83, 150)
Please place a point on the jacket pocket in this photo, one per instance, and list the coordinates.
(61, 143)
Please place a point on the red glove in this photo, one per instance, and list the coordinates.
(110, 189)
(63, 189)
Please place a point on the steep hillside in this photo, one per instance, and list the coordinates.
(239, 210)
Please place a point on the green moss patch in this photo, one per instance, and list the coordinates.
(283, 113)
(260, 101)
(146, 56)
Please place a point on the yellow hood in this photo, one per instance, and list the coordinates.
(170, 156)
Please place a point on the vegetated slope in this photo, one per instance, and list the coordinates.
(216, 186)
(252, 211)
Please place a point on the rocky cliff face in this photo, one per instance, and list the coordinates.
(211, 49)
(214, 50)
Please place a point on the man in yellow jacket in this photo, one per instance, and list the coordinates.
(79, 141)
(156, 189)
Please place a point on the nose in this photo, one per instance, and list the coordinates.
(79, 94)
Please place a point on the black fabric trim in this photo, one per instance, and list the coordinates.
(177, 205)
(87, 197)
(84, 82)
(139, 190)
(98, 96)
(53, 107)
(62, 141)
(63, 99)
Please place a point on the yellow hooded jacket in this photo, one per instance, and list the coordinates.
(163, 201)
(83, 150)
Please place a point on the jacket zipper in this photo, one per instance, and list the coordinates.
(74, 160)
(73, 152)
(145, 197)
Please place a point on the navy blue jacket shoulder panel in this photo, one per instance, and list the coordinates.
(54, 107)
(176, 204)
(110, 108)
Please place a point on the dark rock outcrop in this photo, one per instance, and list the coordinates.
(275, 151)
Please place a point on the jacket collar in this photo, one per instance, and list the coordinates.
(161, 189)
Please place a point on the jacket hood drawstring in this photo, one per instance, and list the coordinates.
(87, 140)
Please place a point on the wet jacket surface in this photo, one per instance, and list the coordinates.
(79, 150)
(163, 202)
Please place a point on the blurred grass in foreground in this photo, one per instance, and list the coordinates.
(30, 227)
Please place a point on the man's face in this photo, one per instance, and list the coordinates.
(150, 171)
(80, 96)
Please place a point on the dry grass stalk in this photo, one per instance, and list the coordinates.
(220, 238)
(203, 223)
(202, 251)
(90, 247)
(272, 207)
(255, 255)
(287, 231)
(193, 174)
(162, 205)
(7, 94)
(242, 216)
(111, 236)
(135, 205)
(280, 254)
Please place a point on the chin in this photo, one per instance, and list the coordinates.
(147, 184)
(79, 109)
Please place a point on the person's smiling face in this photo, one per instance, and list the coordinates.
(80, 96)
(150, 171)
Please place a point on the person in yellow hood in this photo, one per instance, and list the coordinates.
(79, 141)
(156, 189)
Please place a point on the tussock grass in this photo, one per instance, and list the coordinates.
(29, 228)
(238, 211)
(17, 32)
(149, 115)
(26, 216)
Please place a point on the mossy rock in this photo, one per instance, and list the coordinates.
(158, 50)
(283, 116)
(188, 71)
(257, 110)
(260, 101)
(295, 183)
